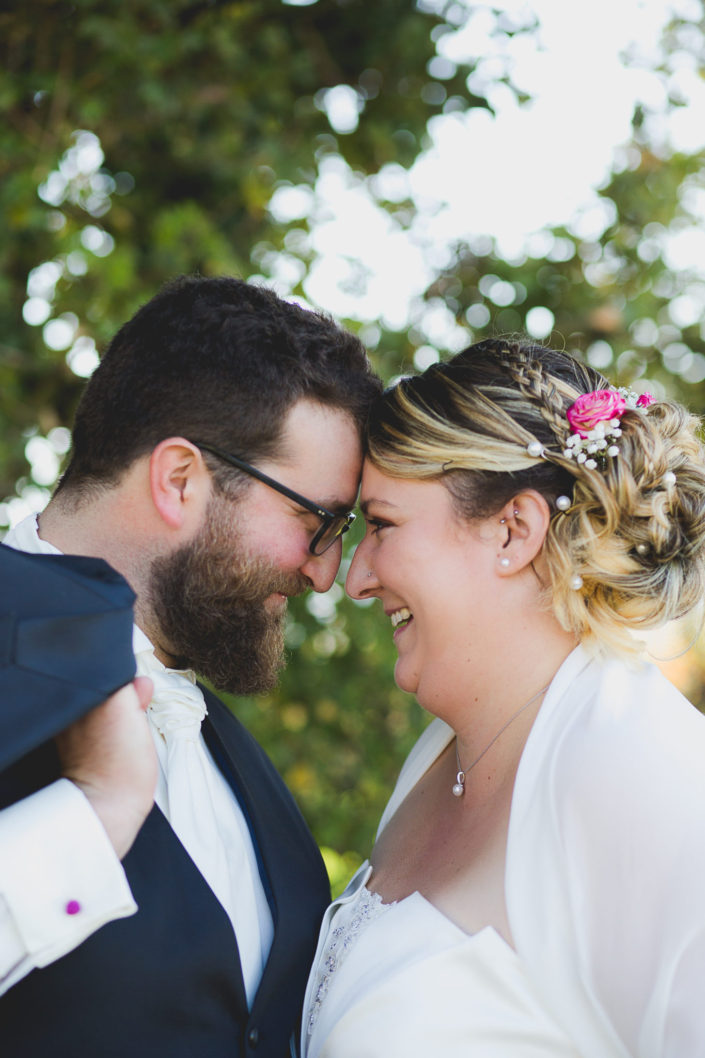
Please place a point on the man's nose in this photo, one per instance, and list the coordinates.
(321, 569)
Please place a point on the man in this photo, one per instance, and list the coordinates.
(216, 455)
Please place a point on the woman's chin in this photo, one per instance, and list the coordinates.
(405, 679)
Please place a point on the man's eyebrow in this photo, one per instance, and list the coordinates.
(337, 507)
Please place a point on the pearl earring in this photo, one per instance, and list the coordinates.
(504, 563)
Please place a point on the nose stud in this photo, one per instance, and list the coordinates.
(370, 573)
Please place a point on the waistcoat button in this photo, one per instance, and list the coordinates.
(253, 1037)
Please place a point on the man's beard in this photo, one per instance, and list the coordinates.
(207, 599)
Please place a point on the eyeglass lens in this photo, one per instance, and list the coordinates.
(328, 534)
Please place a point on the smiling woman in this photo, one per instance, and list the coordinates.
(523, 519)
(430, 569)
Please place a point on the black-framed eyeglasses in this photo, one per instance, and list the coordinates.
(332, 525)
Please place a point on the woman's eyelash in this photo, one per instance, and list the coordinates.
(375, 524)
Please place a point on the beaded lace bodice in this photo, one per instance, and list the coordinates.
(350, 921)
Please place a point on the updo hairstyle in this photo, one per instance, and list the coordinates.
(633, 538)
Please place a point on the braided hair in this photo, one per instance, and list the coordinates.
(633, 537)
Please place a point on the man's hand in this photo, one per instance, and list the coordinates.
(109, 754)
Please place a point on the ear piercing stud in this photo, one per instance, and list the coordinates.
(504, 563)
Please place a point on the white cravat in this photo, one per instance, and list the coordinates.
(176, 710)
(204, 813)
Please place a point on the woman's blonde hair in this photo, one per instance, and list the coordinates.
(633, 532)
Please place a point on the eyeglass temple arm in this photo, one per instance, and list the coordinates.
(241, 464)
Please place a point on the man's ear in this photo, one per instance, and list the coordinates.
(523, 523)
(179, 482)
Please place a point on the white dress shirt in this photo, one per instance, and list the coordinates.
(60, 879)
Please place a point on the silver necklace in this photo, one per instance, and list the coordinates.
(459, 784)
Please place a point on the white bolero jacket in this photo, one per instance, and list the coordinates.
(605, 880)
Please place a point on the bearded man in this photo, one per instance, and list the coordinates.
(215, 459)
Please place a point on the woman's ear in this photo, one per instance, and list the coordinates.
(179, 482)
(523, 524)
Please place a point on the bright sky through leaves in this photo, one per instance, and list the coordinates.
(507, 175)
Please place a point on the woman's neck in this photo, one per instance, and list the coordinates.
(492, 705)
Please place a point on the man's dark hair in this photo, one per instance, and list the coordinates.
(216, 360)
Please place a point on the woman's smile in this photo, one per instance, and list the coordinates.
(400, 618)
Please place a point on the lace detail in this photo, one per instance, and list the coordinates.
(350, 920)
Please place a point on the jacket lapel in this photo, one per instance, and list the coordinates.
(291, 867)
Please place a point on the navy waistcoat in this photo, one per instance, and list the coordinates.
(166, 982)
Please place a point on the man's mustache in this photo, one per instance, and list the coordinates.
(290, 585)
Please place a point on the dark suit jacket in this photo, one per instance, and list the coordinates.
(166, 982)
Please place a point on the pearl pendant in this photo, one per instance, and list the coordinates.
(459, 785)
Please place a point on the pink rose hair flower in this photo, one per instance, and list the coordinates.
(595, 419)
(602, 405)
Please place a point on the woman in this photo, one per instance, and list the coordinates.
(535, 888)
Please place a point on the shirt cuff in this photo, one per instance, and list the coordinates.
(60, 877)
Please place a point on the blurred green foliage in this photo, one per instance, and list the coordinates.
(612, 296)
(145, 140)
(201, 109)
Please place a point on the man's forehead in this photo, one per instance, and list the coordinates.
(321, 451)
